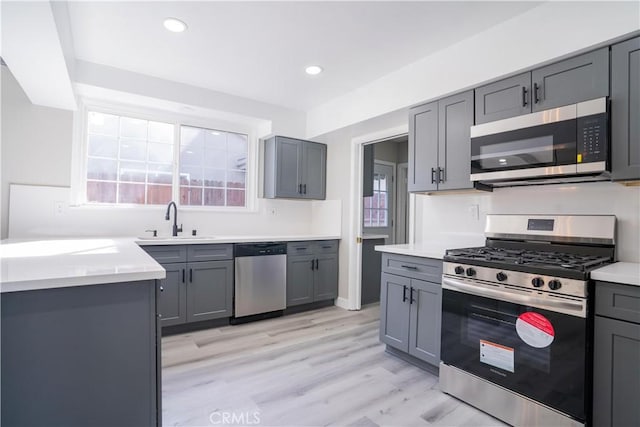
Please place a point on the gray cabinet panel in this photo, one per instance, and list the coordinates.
(618, 301)
(616, 388)
(424, 331)
(80, 356)
(326, 247)
(625, 110)
(394, 311)
(325, 285)
(300, 279)
(300, 248)
(172, 298)
(423, 147)
(414, 267)
(288, 170)
(167, 253)
(314, 167)
(573, 80)
(209, 252)
(455, 118)
(503, 99)
(209, 290)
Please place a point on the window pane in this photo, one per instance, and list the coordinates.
(191, 175)
(191, 145)
(214, 177)
(158, 194)
(213, 197)
(215, 140)
(160, 174)
(235, 197)
(237, 143)
(104, 124)
(161, 132)
(382, 200)
(191, 196)
(215, 158)
(382, 218)
(236, 180)
(102, 192)
(367, 202)
(161, 153)
(102, 169)
(237, 161)
(374, 201)
(367, 217)
(131, 193)
(133, 128)
(383, 183)
(103, 146)
(376, 182)
(133, 171)
(374, 218)
(133, 149)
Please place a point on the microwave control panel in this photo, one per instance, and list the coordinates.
(593, 144)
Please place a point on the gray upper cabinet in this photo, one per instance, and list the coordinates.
(503, 99)
(439, 144)
(573, 80)
(294, 168)
(423, 147)
(625, 110)
(312, 271)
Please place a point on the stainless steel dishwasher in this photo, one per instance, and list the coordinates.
(260, 278)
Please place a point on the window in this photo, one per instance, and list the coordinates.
(376, 207)
(132, 161)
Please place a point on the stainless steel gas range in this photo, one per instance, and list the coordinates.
(517, 321)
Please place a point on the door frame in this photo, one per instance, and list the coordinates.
(402, 195)
(355, 216)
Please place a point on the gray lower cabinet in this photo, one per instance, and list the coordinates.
(439, 151)
(410, 307)
(572, 80)
(199, 282)
(81, 356)
(616, 378)
(312, 271)
(294, 168)
(625, 110)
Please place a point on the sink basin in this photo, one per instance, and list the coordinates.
(176, 238)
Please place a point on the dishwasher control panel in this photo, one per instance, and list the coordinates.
(259, 249)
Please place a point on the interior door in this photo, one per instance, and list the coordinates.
(378, 210)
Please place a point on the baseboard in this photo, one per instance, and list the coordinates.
(342, 303)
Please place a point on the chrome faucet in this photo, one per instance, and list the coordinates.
(176, 229)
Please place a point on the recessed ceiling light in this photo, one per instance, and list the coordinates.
(174, 25)
(313, 70)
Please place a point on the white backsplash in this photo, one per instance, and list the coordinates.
(453, 214)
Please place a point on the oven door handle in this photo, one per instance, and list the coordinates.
(561, 305)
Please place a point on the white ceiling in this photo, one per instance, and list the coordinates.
(258, 50)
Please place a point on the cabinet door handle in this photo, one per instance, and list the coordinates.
(191, 275)
(161, 289)
(317, 266)
(327, 247)
(410, 267)
(524, 96)
(304, 188)
(536, 98)
(183, 275)
(433, 175)
(312, 264)
(299, 188)
(404, 293)
(440, 174)
(411, 300)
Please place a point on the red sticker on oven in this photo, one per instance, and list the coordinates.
(535, 329)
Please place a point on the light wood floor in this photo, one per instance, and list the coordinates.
(320, 368)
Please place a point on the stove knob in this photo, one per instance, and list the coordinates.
(554, 285)
(501, 276)
(471, 272)
(459, 270)
(537, 282)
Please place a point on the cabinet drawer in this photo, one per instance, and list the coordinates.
(415, 267)
(299, 248)
(618, 301)
(209, 252)
(168, 253)
(326, 247)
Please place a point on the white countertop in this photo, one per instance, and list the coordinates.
(190, 240)
(627, 273)
(436, 247)
(45, 264)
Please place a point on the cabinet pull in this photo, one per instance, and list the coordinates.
(440, 174)
(317, 266)
(410, 267)
(327, 247)
(404, 293)
(524, 96)
(191, 275)
(299, 188)
(304, 188)
(312, 264)
(433, 175)
(411, 300)
(161, 289)
(183, 275)
(536, 99)
(304, 248)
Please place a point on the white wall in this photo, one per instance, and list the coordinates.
(549, 31)
(438, 216)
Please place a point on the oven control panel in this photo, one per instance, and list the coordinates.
(534, 282)
(592, 142)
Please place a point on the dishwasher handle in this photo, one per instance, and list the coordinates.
(259, 249)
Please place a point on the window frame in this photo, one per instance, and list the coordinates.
(80, 146)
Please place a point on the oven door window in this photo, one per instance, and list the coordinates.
(553, 144)
(542, 356)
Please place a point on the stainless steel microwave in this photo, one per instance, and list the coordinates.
(569, 141)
